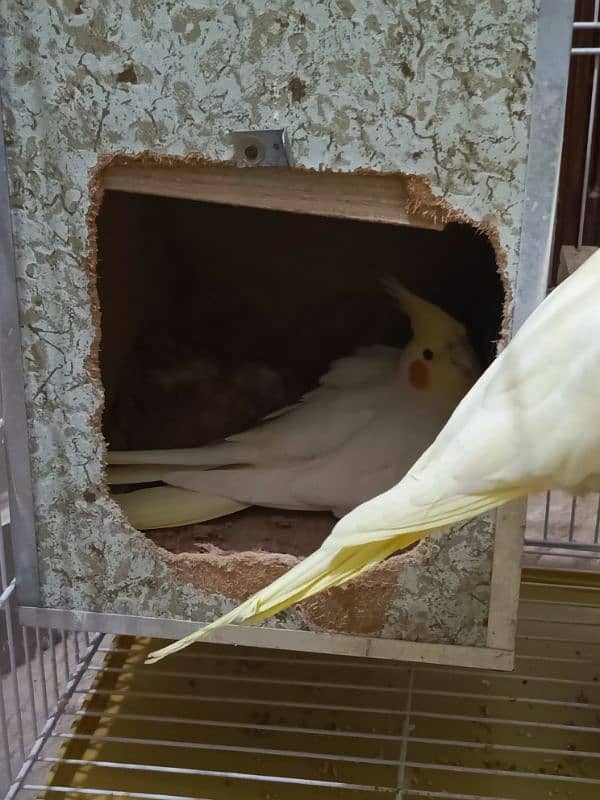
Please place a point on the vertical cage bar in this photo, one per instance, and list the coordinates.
(14, 679)
(590, 136)
(547, 516)
(572, 519)
(53, 662)
(66, 656)
(406, 726)
(4, 727)
(588, 152)
(38, 641)
(548, 103)
(10, 636)
(20, 494)
(32, 703)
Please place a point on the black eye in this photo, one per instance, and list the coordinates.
(427, 354)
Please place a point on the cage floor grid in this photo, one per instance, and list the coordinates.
(219, 722)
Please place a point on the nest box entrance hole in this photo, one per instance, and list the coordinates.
(226, 298)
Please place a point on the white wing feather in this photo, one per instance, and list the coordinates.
(347, 398)
(531, 423)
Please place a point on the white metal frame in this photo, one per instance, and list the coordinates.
(548, 105)
(14, 422)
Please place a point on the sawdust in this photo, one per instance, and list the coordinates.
(275, 532)
(238, 555)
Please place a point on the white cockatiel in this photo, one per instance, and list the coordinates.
(355, 435)
(530, 423)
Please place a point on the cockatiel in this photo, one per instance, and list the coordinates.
(530, 423)
(357, 434)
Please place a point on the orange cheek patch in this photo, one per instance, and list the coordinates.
(418, 375)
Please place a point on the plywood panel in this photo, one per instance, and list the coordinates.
(377, 198)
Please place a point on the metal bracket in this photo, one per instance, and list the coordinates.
(261, 148)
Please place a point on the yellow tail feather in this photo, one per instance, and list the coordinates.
(322, 570)
(350, 550)
(170, 507)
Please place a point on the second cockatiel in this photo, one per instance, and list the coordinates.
(357, 434)
(530, 423)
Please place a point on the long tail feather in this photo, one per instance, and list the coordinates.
(359, 527)
(344, 555)
(142, 473)
(171, 507)
(322, 570)
(218, 455)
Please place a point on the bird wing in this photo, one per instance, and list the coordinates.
(369, 461)
(529, 423)
(531, 420)
(513, 433)
(345, 401)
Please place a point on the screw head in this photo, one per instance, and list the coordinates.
(251, 152)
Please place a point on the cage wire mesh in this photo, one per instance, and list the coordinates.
(39, 668)
(80, 716)
(223, 722)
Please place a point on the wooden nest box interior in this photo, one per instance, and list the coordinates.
(226, 294)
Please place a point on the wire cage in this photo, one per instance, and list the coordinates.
(81, 717)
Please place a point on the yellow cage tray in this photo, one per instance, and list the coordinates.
(218, 722)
